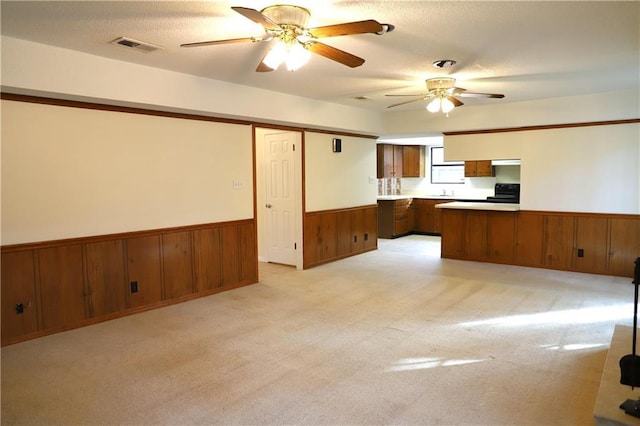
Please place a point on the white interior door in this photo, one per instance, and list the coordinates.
(280, 199)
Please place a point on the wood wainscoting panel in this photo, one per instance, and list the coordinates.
(529, 239)
(230, 259)
(592, 244)
(144, 270)
(559, 241)
(19, 297)
(355, 219)
(247, 253)
(54, 286)
(344, 239)
(329, 235)
(61, 285)
(453, 226)
(596, 243)
(624, 245)
(370, 228)
(335, 234)
(106, 284)
(475, 235)
(177, 264)
(312, 239)
(501, 237)
(207, 259)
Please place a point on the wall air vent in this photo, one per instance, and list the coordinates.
(140, 46)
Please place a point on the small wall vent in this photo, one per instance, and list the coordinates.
(140, 46)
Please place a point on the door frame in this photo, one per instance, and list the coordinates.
(259, 133)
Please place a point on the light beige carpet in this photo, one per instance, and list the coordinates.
(395, 336)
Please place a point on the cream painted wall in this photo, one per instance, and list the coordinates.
(339, 180)
(577, 169)
(484, 146)
(38, 69)
(69, 172)
(573, 109)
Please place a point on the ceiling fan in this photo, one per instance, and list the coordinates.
(442, 95)
(287, 25)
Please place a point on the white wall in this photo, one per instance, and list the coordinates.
(576, 169)
(339, 180)
(69, 172)
(572, 109)
(38, 69)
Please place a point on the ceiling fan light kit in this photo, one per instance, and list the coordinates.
(294, 41)
(441, 95)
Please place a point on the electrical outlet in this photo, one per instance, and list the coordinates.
(580, 252)
(238, 184)
(134, 286)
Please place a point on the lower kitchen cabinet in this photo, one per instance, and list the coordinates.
(393, 218)
(427, 218)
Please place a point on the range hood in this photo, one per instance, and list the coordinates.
(514, 162)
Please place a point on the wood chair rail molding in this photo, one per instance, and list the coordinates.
(160, 113)
(543, 127)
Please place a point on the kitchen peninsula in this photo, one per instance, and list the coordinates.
(598, 243)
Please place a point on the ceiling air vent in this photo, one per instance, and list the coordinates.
(140, 46)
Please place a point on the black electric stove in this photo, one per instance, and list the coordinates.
(506, 193)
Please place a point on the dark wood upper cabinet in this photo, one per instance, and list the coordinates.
(413, 161)
(481, 168)
(389, 160)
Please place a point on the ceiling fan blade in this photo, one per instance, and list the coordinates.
(458, 91)
(360, 27)
(334, 54)
(263, 68)
(421, 98)
(228, 41)
(257, 17)
(454, 101)
(410, 95)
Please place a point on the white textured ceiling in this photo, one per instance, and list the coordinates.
(524, 49)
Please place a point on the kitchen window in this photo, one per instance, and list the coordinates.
(445, 171)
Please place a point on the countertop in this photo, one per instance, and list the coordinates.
(425, 197)
(394, 197)
(501, 207)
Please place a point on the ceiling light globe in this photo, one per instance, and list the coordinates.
(447, 105)
(276, 56)
(434, 105)
(297, 56)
